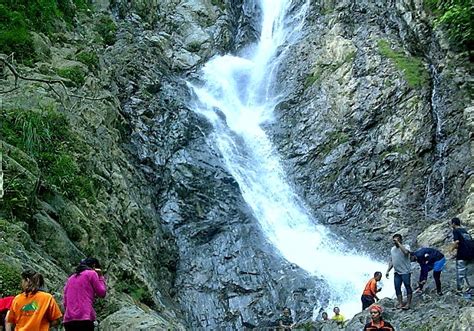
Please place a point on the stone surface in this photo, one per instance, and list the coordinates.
(370, 153)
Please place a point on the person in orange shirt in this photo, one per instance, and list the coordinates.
(33, 309)
(370, 292)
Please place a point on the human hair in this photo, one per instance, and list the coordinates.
(397, 235)
(456, 221)
(32, 281)
(285, 308)
(377, 273)
(334, 309)
(87, 264)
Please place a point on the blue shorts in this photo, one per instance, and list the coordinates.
(439, 265)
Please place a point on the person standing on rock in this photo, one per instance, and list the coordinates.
(377, 323)
(429, 259)
(286, 321)
(338, 317)
(33, 309)
(79, 293)
(370, 291)
(325, 316)
(401, 263)
(463, 246)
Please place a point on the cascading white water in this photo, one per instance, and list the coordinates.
(240, 89)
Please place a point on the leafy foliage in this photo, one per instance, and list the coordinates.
(412, 67)
(107, 30)
(19, 17)
(9, 279)
(75, 74)
(458, 18)
(44, 137)
(88, 58)
(130, 284)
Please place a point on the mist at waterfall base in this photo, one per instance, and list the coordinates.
(237, 98)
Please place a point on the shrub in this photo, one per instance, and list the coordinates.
(88, 58)
(107, 30)
(74, 74)
(19, 17)
(457, 16)
(10, 278)
(44, 135)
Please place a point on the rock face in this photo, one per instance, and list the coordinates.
(373, 130)
(374, 123)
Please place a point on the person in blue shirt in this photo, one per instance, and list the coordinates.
(429, 259)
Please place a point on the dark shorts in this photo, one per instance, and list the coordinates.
(367, 300)
(79, 326)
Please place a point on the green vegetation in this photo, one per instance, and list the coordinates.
(107, 30)
(130, 284)
(10, 278)
(457, 16)
(19, 17)
(75, 74)
(43, 157)
(90, 59)
(218, 3)
(312, 78)
(412, 67)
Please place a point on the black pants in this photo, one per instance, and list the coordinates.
(437, 278)
(367, 300)
(79, 326)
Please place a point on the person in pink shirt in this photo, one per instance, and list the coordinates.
(79, 292)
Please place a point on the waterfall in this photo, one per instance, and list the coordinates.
(237, 98)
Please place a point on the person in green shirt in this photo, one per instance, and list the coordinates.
(338, 317)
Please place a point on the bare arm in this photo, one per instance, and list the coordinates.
(404, 249)
(455, 245)
(390, 266)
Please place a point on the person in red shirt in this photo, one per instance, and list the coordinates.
(377, 323)
(33, 309)
(5, 304)
(370, 291)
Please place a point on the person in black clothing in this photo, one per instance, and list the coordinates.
(286, 321)
(463, 245)
(377, 323)
(429, 259)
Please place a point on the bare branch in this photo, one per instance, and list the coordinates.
(49, 82)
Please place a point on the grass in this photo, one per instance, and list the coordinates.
(75, 74)
(42, 137)
(90, 59)
(412, 67)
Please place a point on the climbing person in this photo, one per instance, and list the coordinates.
(376, 321)
(429, 259)
(33, 309)
(463, 246)
(5, 304)
(401, 263)
(325, 316)
(286, 320)
(338, 317)
(81, 288)
(369, 296)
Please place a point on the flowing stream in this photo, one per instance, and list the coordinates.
(237, 98)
